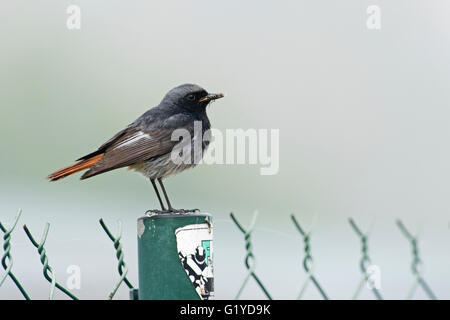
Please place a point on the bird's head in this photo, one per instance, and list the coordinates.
(190, 97)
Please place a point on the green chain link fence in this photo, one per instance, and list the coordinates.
(249, 261)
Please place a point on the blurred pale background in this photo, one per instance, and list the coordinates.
(363, 118)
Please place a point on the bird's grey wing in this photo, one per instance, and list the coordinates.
(133, 147)
(108, 143)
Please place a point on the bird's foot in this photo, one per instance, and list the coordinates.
(183, 211)
(170, 210)
(154, 211)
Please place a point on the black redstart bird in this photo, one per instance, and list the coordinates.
(146, 144)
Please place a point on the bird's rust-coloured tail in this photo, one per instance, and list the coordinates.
(79, 166)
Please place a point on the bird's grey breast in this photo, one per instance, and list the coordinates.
(195, 125)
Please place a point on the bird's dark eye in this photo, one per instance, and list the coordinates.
(190, 97)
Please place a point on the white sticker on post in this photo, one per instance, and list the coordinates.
(195, 249)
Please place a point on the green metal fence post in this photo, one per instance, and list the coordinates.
(175, 256)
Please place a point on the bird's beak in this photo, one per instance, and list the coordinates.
(212, 96)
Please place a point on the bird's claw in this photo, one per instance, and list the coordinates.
(183, 211)
(154, 211)
(171, 210)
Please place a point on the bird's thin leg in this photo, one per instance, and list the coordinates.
(165, 195)
(157, 194)
(171, 209)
